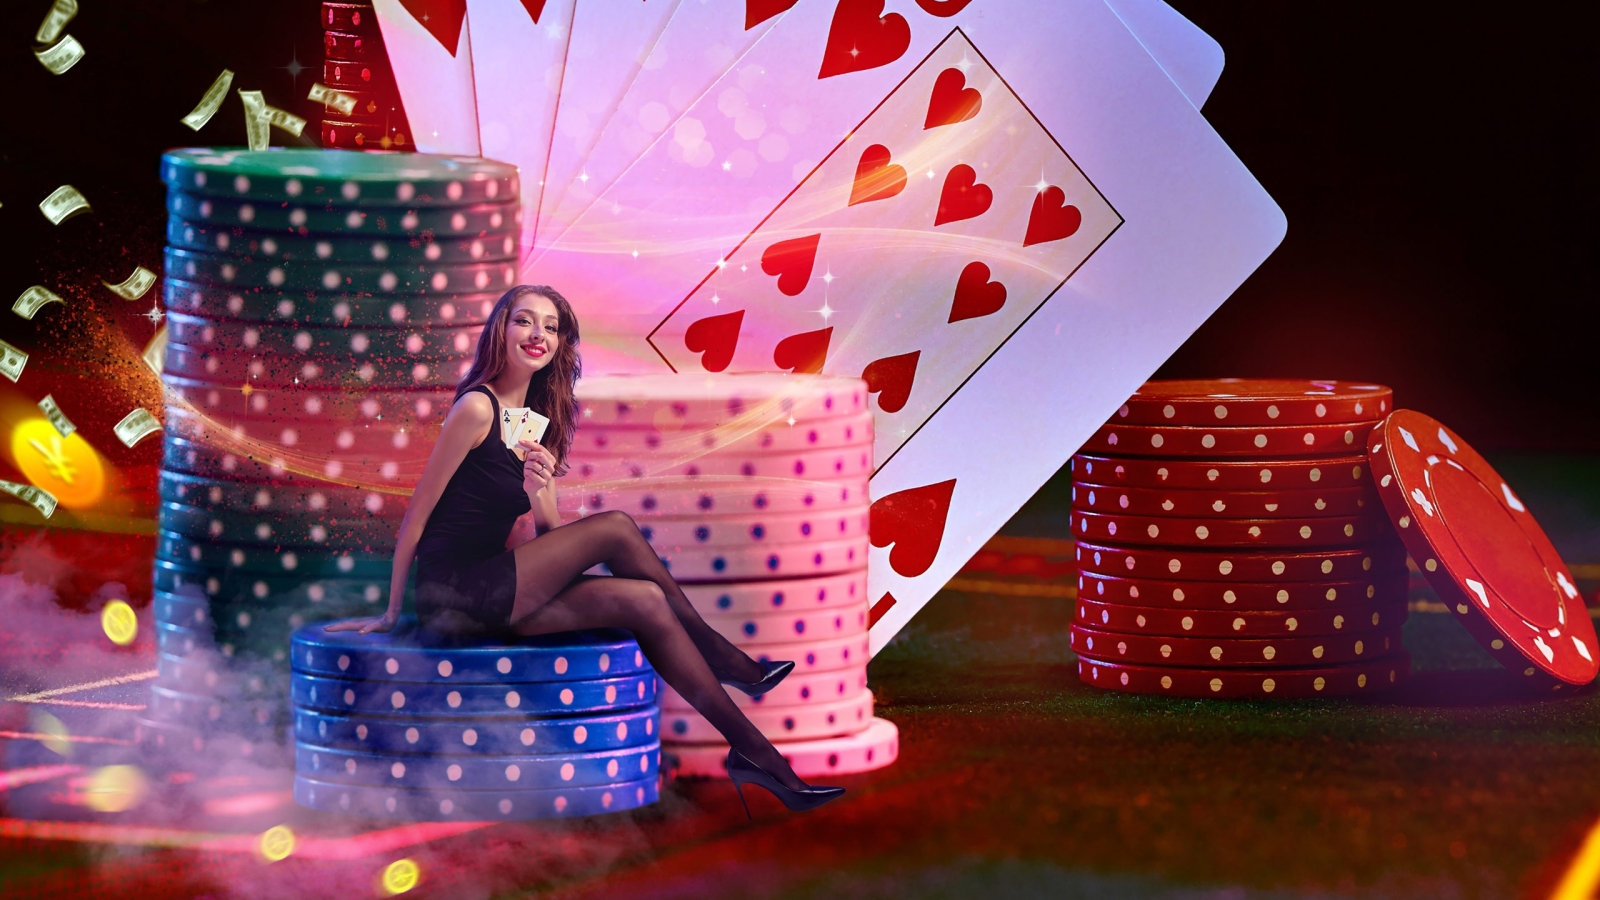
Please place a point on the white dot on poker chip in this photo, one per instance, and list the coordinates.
(1461, 608)
(361, 730)
(566, 696)
(567, 771)
(561, 665)
(447, 806)
(350, 766)
(1187, 622)
(580, 734)
(1269, 652)
(644, 763)
(1208, 441)
(1225, 567)
(502, 665)
(505, 807)
(412, 735)
(397, 699)
(470, 737)
(440, 281)
(1305, 531)
(1431, 565)
(344, 661)
(1216, 684)
(453, 772)
(398, 770)
(391, 665)
(1156, 440)
(453, 190)
(349, 696)
(1316, 652)
(513, 772)
(514, 699)
(622, 730)
(350, 190)
(445, 668)
(388, 281)
(1166, 681)
(560, 804)
(453, 698)
(404, 191)
(1200, 531)
(1173, 565)
(1153, 530)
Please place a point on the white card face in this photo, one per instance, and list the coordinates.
(1189, 56)
(701, 40)
(432, 65)
(511, 421)
(909, 256)
(1194, 224)
(519, 50)
(610, 42)
(533, 426)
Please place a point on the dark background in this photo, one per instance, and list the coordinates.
(1431, 160)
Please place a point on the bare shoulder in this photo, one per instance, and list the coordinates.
(474, 406)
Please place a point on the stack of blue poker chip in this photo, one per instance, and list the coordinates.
(414, 726)
(323, 306)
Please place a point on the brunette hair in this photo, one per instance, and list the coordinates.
(552, 391)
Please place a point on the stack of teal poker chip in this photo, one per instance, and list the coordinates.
(412, 726)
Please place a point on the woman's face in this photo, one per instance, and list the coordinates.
(533, 332)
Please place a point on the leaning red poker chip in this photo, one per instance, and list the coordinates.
(1481, 549)
(1254, 401)
(1276, 475)
(1267, 566)
(1329, 620)
(1144, 649)
(1236, 595)
(1205, 504)
(1367, 677)
(1260, 442)
(1330, 531)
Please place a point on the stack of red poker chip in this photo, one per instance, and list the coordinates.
(1231, 543)
(356, 63)
(753, 491)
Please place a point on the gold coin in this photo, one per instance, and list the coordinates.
(402, 875)
(67, 467)
(277, 843)
(120, 622)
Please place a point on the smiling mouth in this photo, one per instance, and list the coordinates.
(533, 351)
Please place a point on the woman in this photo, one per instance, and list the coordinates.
(472, 493)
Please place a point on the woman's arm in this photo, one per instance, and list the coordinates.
(545, 514)
(468, 420)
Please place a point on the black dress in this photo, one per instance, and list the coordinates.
(466, 578)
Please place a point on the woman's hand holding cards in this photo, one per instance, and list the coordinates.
(538, 467)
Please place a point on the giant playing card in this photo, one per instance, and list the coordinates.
(909, 256)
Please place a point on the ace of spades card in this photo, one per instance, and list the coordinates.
(909, 256)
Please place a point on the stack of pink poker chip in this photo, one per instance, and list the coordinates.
(753, 491)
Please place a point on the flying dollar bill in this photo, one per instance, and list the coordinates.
(136, 426)
(52, 411)
(256, 127)
(288, 121)
(63, 203)
(12, 361)
(62, 55)
(135, 285)
(211, 102)
(61, 12)
(155, 352)
(43, 501)
(33, 299)
(333, 99)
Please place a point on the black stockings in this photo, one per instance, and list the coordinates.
(553, 595)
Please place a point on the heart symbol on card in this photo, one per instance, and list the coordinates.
(861, 37)
(791, 261)
(913, 521)
(952, 101)
(963, 197)
(758, 11)
(535, 8)
(442, 18)
(890, 378)
(876, 177)
(976, 295)
(944, 9)
(804, 352)
(714, 337)
(1052, 219)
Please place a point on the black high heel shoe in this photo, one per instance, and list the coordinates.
(742, 772)
(772, 673)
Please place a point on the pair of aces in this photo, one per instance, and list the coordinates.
(519, 423)
(1003, 215)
